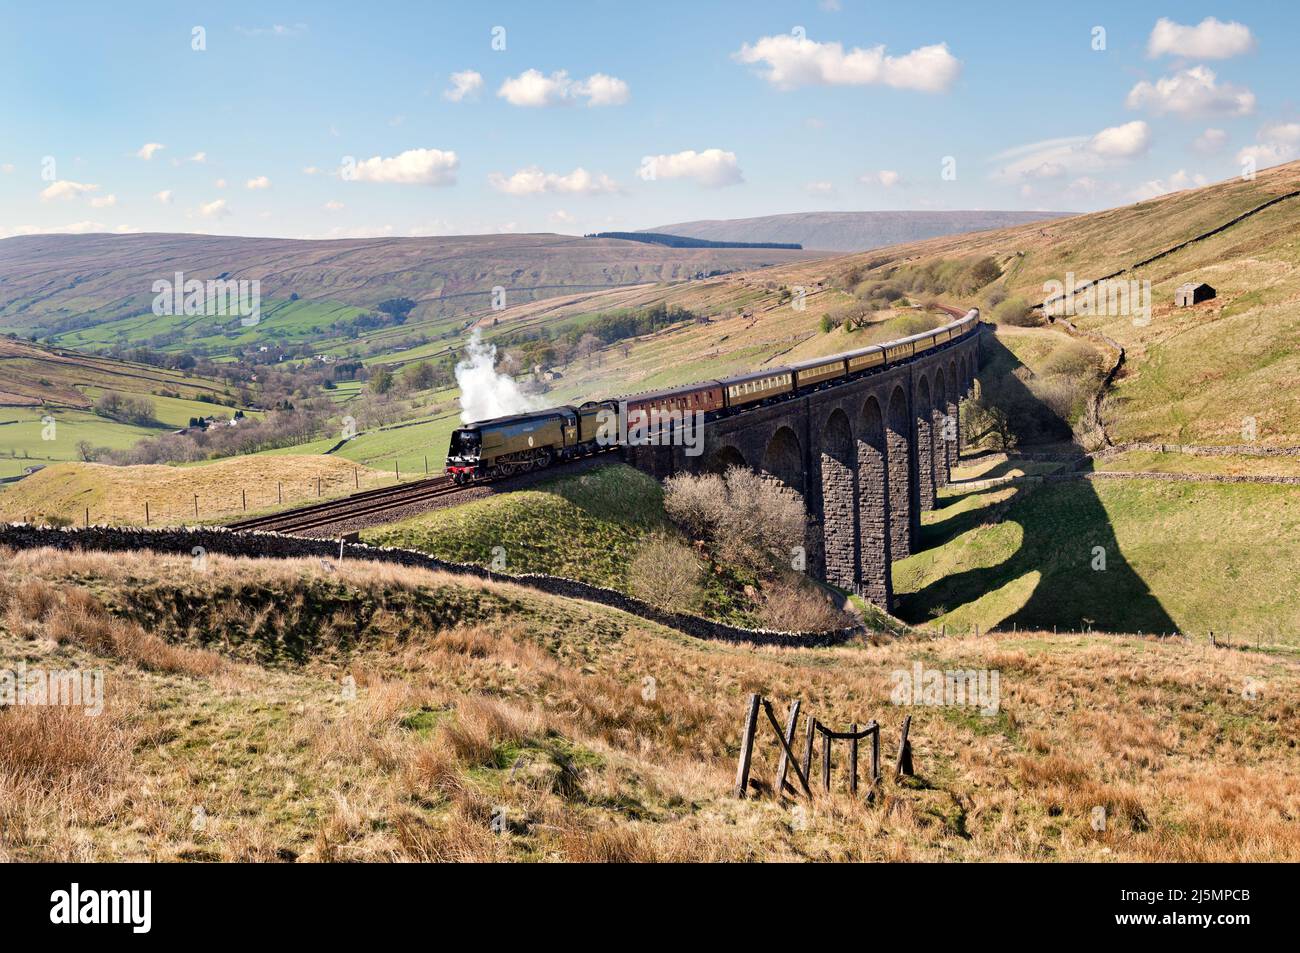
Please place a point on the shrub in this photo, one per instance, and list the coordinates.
(748, 519)
(1074, 359)
(666, 574)
(1015, 312)
(697, 504)
(984, 271)
(793, 603)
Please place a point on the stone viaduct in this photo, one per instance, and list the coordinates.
(867, 457)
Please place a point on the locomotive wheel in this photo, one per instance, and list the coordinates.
(544, 459)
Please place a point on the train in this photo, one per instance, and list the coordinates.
(503, 446)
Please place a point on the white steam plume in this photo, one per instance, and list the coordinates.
(484, 392)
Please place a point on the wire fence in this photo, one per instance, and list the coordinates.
(179, 506)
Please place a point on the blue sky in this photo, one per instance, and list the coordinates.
(341, 119)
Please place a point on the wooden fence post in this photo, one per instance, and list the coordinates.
(875, 755)
(904, 765)
(853, 758)
(196, 506)
(783, 763)
(146, 512)
(243, 497)
(826, 762)
(747, 745)
(790, 759)
(808, 747)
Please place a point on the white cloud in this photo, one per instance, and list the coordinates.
(261, 182)
(412, 167)
(711, 168)
(792, 61)
(149, 150)
(534, 88)
(103, 201)
(1210, 141)
(311, 170)
(885, 177)
(1192, 92)
(7, 168)
(199, 157)
(220, 183)
(277, 29)
(1180, 180)
(820, 188)
(358, 231)
(602, 90)
(465, 83)
(64, 189)
(1277, 143)
(1084, 187)
(1210, 39)
(1288, 132)
(333, 205)
(533, 181)
(1073, 155)
(166, 196)
(215, 209)
(1122, 142)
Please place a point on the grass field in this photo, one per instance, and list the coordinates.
(586, 527)
(590, 527)
(1178, 557)
(1148, 461)
(265, 710)
(39, 385)
(117, 495)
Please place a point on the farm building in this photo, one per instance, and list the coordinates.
(1192, 293)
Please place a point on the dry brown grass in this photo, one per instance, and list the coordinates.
(555, 731)
(76, 616)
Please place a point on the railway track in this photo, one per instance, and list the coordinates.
(386, 504)
(357, 506)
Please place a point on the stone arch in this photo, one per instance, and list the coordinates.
(783, 459)
(898, 441)
(939, 429)
(873, 506)
(724, 458)
(924, 429)
(839, 478)
(783, 462)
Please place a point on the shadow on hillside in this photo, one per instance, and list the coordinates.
(1083, 580)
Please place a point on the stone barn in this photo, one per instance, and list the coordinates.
(1192, 293)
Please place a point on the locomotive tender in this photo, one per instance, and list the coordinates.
(506, 445)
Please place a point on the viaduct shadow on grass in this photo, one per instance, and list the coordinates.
(1083, 579)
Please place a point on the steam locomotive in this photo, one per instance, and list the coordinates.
(521, 442)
